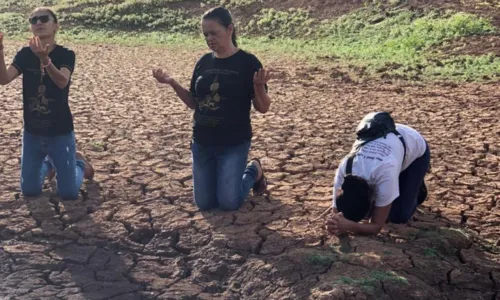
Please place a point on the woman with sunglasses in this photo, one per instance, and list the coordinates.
(224, 84)
(49, 145)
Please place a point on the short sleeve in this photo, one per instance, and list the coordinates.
(387, 185)
(338, 181)
(68, 61)
(194, 78)
(197, 72)
(21, 60)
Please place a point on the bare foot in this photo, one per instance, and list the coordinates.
(89, 172)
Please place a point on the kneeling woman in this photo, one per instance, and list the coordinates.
(224, 85)
(382, 181)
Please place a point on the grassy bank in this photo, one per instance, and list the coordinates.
(391, 43)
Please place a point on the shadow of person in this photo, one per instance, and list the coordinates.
(71, 253)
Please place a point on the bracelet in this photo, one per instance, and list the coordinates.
(48, 64)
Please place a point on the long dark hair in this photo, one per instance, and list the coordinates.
(223, 17)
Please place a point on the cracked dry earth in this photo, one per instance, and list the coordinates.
(135, 233)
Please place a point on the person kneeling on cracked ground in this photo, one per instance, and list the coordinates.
(381, 179)
(48, 140)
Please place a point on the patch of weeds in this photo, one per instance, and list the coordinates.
(370, 282)
(391, 43)
(430, 252)
(291, 23)
(23, 5)
(130, 15)
(429, 233)
(13, 23)
(98, 146)
(233, 3)
(394, 43)
(320, 260)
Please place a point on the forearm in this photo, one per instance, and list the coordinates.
(364, 228)
(4, 77)
(60, 79)
(184, 95)
(261, 101)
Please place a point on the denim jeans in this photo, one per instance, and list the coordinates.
(410, 181)
(221, 177)
(42, 153)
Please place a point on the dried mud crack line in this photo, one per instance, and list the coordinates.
(143, 165)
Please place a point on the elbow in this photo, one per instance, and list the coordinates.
(62, 84)
(263, 109)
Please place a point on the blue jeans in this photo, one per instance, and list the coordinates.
(410, 180)
(42, 153)
(221, 177)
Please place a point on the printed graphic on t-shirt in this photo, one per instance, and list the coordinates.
(212, 100)
(223, 90)
(40, 103)
(46, 109)
(375, 150)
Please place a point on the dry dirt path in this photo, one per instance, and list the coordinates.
(135, 233)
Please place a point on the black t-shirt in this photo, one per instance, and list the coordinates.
(46, 107)
(223, 90)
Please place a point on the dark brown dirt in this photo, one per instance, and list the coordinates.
(475, 46)
(136, 234)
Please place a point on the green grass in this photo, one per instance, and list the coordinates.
(431, 252)
(320, 260)
(394, 43)
(370, 282)
(399, 44)
(132, 15)
(294, 22)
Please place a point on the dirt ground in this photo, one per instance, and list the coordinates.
(136, 234)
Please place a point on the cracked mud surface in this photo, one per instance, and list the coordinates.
(136, 234)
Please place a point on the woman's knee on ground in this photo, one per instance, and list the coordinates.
(30, 190)
(230, 203)
(204, 202)
(400, 217)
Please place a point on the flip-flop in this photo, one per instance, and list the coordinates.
(260, 187)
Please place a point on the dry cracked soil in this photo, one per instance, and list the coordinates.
(136, 234)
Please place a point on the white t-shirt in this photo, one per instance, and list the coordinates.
(380, 162)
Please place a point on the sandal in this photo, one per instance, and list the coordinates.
(260, 187)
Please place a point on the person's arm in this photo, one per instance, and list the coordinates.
(261, 100)
(387, 190)
(6, 74)
(377, 222)
(185, 95)
(59, 77)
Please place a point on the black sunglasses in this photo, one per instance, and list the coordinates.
(43, 19)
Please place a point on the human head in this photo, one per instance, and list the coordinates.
(218, 28)
(355, 199)
(46, 23)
